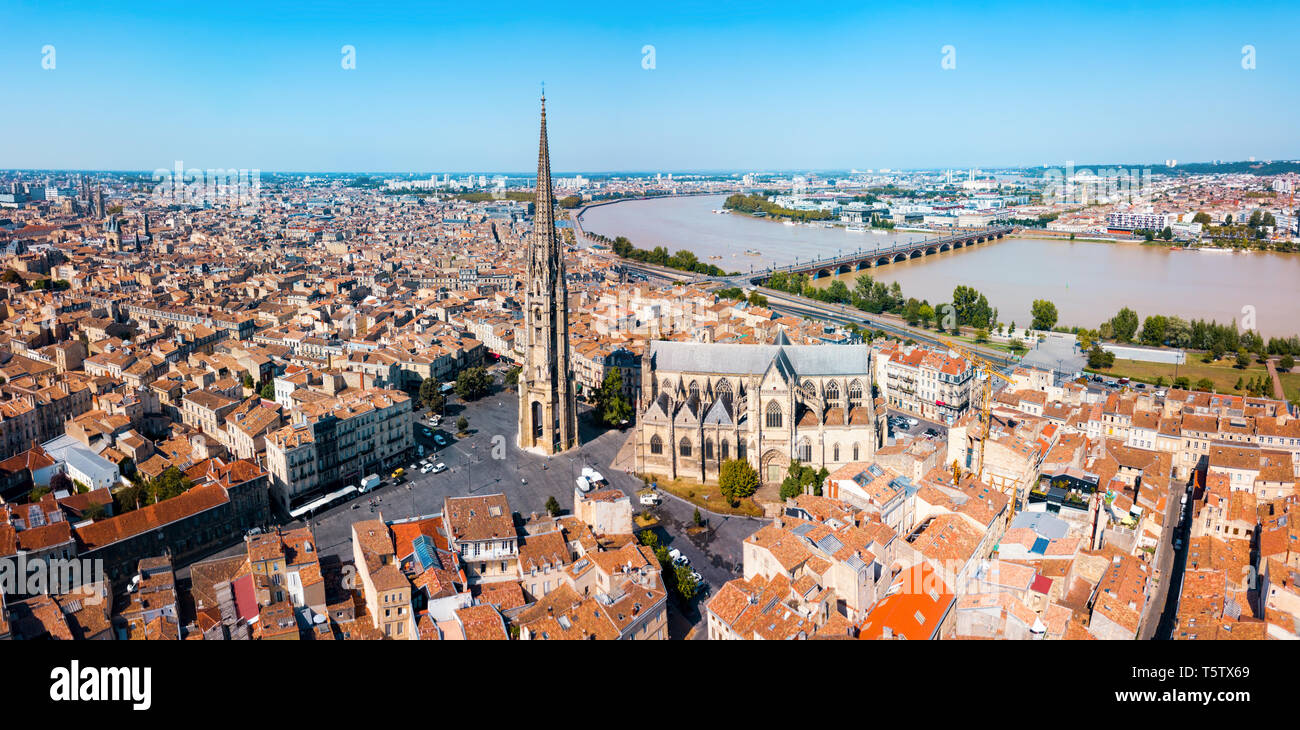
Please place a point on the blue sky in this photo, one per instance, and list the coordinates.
(750, 86)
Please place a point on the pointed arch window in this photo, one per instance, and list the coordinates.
(656, 444)
(724, 450)
(723, 389)
(805, 450)
(832, 394)
(685, 448)
(855, 393)
(835, 452)
(773, 415)
(708, 448)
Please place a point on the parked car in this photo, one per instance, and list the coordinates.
(439, 467)
(651, 499)
(678, 559)
(699, 579)
(439, 439)
(912, 421)
(426, 468)
(1178, 544)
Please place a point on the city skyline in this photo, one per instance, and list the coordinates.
(443, 88)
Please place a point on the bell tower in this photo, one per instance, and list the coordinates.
(548, 418)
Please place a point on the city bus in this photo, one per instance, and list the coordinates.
(319, 505)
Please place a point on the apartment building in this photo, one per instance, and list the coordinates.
(337, 440)
(386, 589)
(481, 531)
(931, 384)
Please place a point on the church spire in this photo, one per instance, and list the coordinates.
(544, 202)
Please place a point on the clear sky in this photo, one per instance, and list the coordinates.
(750, 86)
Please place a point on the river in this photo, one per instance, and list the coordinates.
(1088, 281)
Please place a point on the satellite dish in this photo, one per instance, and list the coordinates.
(318, 619)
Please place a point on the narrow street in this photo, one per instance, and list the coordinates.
(1171, 563)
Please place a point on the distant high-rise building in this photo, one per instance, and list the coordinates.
(548, 418)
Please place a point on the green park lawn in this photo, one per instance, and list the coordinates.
(707, 496)
(1223, 373)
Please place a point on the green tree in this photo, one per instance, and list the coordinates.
(1099, 358)
(462, 425)
(552, 506)
(801, 479)
(925, 313)
(698, 519)
(1243, 360)
(1044, 314)
(1205, 384)
(473, 383)
(1286, 363)
(268, 390)
(737, 479)
(838, 292)
(248, 381)
(686, 585)
(1153, 331)
(612, 407)
(512, 376)
(431, 395)
(1125, 325)
(1203, 218)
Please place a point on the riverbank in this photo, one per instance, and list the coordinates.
(1037, 235)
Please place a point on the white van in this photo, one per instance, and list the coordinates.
(651, 499)
(583, 485)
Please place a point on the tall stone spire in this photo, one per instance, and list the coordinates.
(547, 412)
